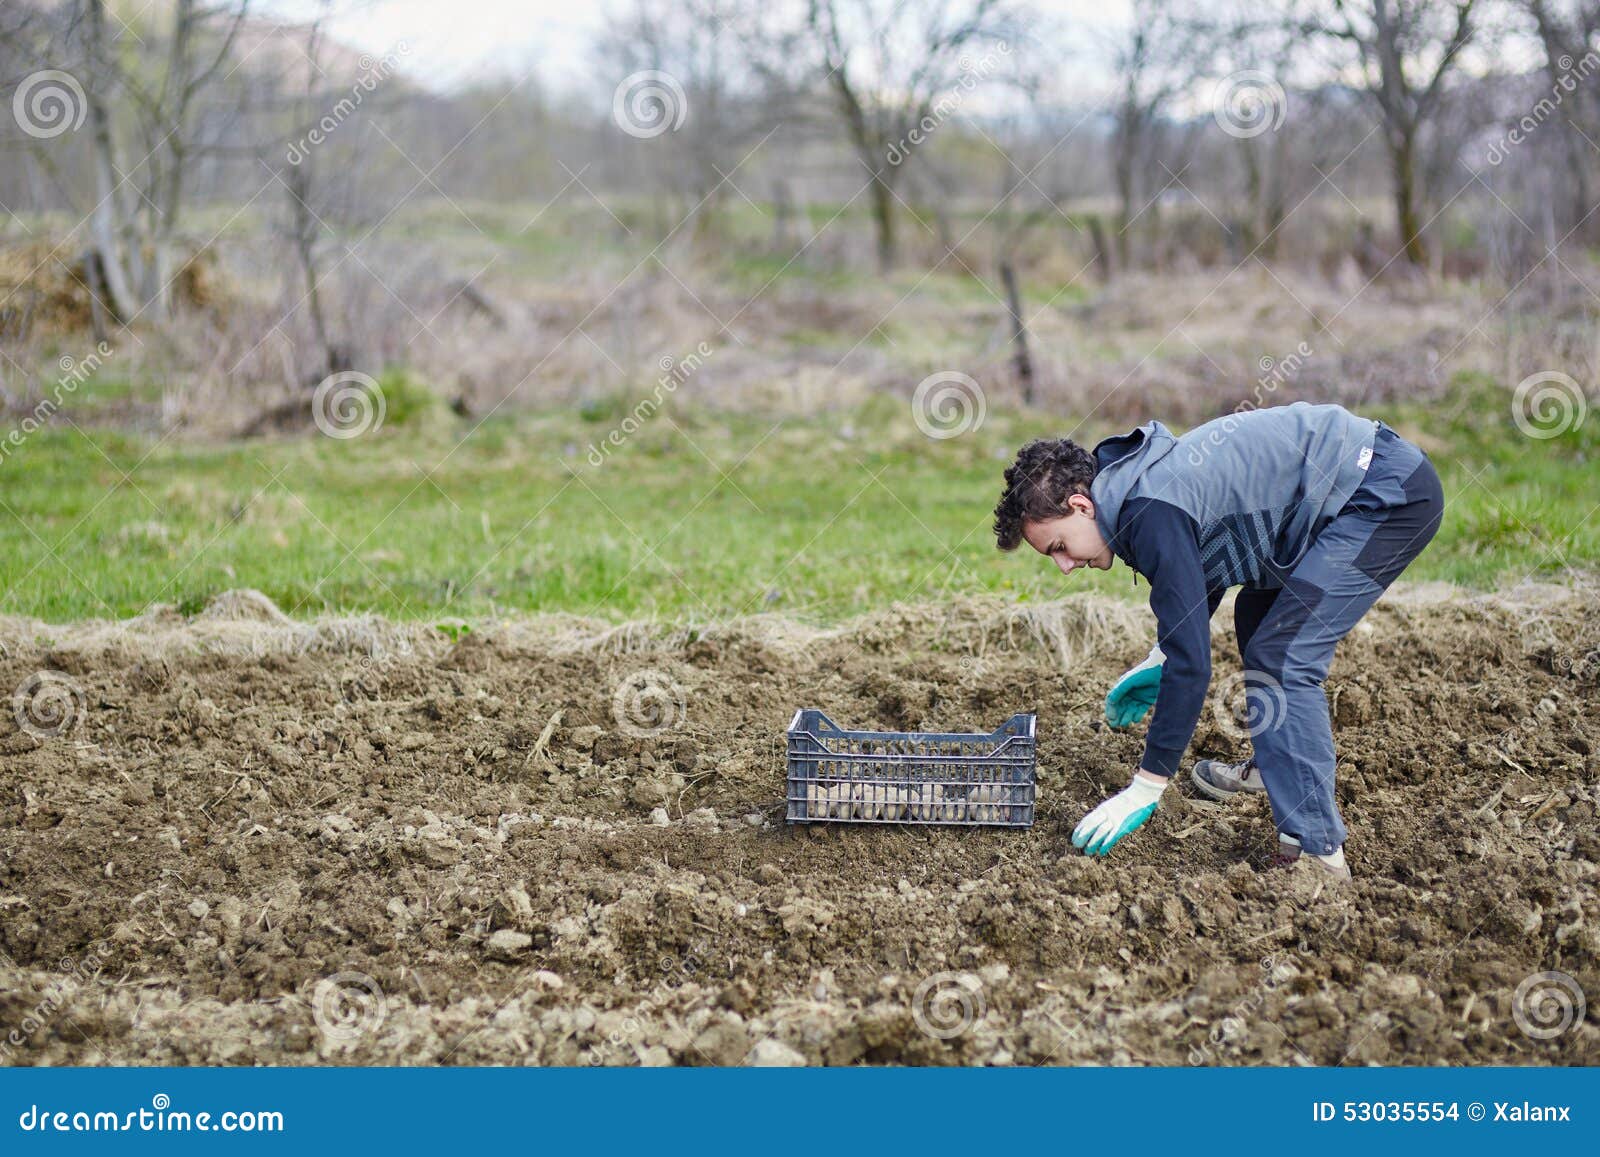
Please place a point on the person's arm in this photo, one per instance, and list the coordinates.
(1165, 541)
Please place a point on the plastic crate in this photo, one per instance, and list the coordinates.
(910, 777)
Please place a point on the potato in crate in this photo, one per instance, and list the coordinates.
(910, 777)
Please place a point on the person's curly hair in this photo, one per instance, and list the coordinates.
(1048, 471)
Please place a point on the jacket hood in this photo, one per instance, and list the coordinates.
(1120, 462)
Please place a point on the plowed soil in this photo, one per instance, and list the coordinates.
(247, 841)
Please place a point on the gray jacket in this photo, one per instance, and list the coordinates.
(1259, 484)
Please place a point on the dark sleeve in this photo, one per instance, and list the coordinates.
(1165, 541)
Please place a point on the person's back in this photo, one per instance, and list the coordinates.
(1258, 485)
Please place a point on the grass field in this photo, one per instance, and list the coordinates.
(695, 516)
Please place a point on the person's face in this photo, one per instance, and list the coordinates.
(1072, 540)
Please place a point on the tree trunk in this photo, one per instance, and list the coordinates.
(1124, 213)
(1277, 183)
(1403, 156)
(103, 220)
(1102, 248)
(1020, 357)
(1577, 208)
(883, 221)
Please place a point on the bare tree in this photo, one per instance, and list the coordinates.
(328, 173)
(1567, 31)
(1146, 60)
(138, 209)
(692, 72)
(1254, 53)
(893, 71)
(1406, 50)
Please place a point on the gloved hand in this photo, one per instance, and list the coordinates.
(1124, 813)
(1134, 692)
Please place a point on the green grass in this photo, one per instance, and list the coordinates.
(694, 516)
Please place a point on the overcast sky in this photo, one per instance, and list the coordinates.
(451, 42)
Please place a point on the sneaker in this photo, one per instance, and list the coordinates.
(1223, 781)
(1289, 854)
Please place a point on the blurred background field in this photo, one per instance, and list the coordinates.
(611, 361)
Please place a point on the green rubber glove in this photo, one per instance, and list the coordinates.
(1134, 692)
(1118, 817)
